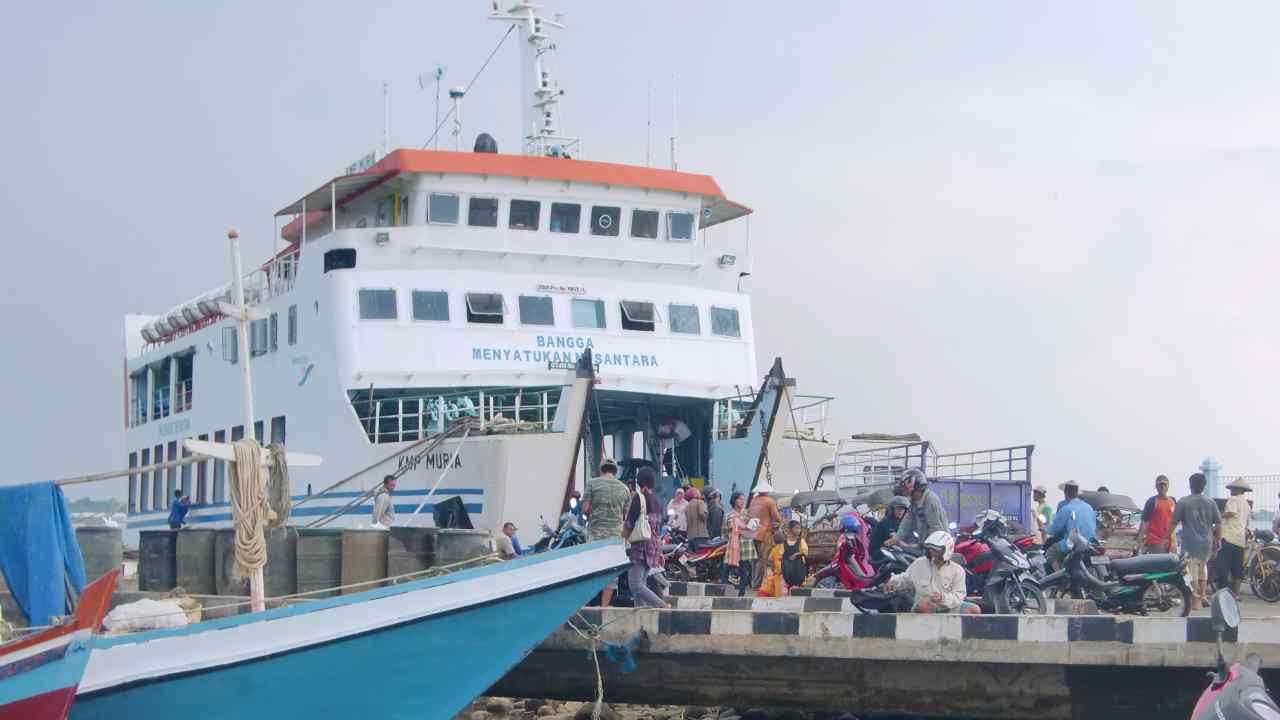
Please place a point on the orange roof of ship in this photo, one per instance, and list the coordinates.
(350, 187)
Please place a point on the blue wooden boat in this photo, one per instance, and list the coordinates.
(423, 649)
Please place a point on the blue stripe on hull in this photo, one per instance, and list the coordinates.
(404, 508)
(429, 668)
(62, 673)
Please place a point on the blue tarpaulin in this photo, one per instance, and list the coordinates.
(38, 551)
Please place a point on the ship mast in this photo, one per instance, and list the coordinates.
(540, 93)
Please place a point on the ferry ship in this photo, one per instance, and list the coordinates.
(426, 285)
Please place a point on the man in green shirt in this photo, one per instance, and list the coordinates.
(605, 504)
(1043, 513)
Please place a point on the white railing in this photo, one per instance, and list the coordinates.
(806, 418)
(405, 419)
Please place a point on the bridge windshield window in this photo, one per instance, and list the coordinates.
(644, 224)
(293, 324)
(485, 308)
(378, 304)
(724, 322)
(443, 209)
(430, 305)
(536, 310)
(605, 220)
(679, 226)
(524, 214)
(138, 398)
(482, 212)
(588, 313)
(565, 217)
(684, 319)
(183, 382)
(638, 316)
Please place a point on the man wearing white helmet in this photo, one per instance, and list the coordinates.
(937, 582)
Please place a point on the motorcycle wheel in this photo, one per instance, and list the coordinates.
(1029, 602)
(1166, 599)
(830, 582)
(1264, 575)
(997, 599)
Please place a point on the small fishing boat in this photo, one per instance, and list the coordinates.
(39, 673)
(422, 649)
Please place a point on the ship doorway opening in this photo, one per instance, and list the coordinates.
(672, 432)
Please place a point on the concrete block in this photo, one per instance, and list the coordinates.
(1159, 630)
(620, 624)
(1259, 631)
(691, 603)
(731, 622)
(786, 604)
(1042, 628)
(929, 628)
(826, 625)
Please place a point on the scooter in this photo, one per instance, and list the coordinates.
(1236, 691)
(850, 568)
(569, 531)
(701, 565)
(1143, 585)
(997, 571)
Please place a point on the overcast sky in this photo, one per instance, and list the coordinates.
(988, 223)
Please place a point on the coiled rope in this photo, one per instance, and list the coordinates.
(255, 505)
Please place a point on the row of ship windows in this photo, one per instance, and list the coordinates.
(604, 220)
(153, 490)
(539, 310)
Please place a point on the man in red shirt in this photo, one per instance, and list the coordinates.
(1155, 532)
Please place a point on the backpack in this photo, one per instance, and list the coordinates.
(794, 571)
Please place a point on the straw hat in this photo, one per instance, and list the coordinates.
(1240, 484)
(763, 487)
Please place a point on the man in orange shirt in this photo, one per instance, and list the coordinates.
(763, 511)
(1155, 532)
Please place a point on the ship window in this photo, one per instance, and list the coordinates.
(339, 259)
(138, 398)
(536, 310)
(144, 481)
(644, 224)
(229, 350)
(565, 217)
(588, 313)
(638, 316)
(679, 226)
(443, 209)
(524, 214)
(724, 321)
(378, 304)
(202, 478)
(273, 332)
(430, 305)
(484, 308)
(293, 324)
(385, 207)
(171, 475)
(185, 482)
(684, 319)
(403, 217)
(258, 337)
(257, 431)
(133, 483)
(605, 220)
(157, 488)
(482, 212)
(219, 471)
(277, 429)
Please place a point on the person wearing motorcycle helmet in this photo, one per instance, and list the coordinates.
(924, 517)
(938, 583)
(894, 511)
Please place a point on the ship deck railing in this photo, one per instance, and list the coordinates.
(409, 417)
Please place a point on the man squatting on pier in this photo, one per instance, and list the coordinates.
(936, 582)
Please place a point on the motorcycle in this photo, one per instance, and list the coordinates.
(850, 568)
(569, 531)
(1236, 691)
(701, 565)
(996, 570)
(1142, 585)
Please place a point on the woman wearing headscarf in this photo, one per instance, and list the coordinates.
(695, 513)
(675, 511)
(645, 552)
(740, 552)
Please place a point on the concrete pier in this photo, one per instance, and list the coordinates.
(1050, 667)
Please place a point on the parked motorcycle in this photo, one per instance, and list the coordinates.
(701, 565)
(1155, 584)
(1236, 691)
(570, 530)
(996, 570)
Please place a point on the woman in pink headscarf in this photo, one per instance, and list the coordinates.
(675, 512)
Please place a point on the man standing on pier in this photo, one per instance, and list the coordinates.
(383, 510)
(606, 505)
(1155, 532)
(1201, 523)
(178, 513)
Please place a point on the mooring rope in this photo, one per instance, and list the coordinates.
(249, 507)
